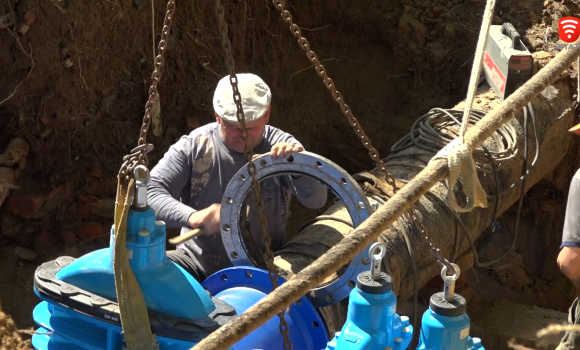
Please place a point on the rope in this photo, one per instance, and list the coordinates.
(458, 155)
(379, 221)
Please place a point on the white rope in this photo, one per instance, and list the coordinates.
(458, 155)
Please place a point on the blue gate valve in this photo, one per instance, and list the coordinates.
(371, 321)
(445, 325)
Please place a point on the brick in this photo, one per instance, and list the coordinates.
(41, 241)
(102, 187)
(90, 230)
(55, 199)
(25, 205)
(96, 172)
(104, 208)
(29, 17)
(69, 237)
(84, 206)
(25, 254)
(11, 225)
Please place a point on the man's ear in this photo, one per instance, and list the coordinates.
(268, 114)
(217, 118)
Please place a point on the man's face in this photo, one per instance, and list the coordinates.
(232, 133)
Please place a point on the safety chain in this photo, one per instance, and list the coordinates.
(139, 154)
(273, 273)
(313, 58)
(434, 250)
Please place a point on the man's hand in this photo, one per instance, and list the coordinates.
(285, 150)
(569, 263)
(207, 219)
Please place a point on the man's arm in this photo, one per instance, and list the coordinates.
(309, 191)
(569, 257)
(168, 179)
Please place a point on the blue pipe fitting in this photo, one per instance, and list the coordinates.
(243, 287)
(372, 323)
(445, 325)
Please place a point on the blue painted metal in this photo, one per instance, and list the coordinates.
(79, 309)
(440, 332)
(62, 328)
(325, 171)
(372, 324)
(243, 287)
(166, 287)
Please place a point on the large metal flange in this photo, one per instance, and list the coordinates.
(325, 171)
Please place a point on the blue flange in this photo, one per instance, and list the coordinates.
(325, 171)
(243, 287)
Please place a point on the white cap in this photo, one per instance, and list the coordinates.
(256, 97)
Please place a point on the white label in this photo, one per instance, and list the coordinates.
(129, 254)
(464, 333)
(112, 318)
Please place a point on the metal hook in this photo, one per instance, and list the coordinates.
(449, 282)
(376, 259)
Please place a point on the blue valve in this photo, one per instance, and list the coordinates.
(371, 321)
(445, 325)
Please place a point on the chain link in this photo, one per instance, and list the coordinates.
(139, 154)
(272, 271)
(313, 58)
(436, 251)
(382, 167)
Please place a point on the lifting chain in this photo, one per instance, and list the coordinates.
(313, 58)
(382, 167)
(139, 154)
(273, 272)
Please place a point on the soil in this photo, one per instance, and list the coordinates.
(74, 79)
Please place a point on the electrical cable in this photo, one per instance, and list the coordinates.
(525, 173)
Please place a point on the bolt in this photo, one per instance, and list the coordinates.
(361, 205)
(374, 206)
(398, 340)
(406, 330)
(365, 261)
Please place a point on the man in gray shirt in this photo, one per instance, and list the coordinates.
(188, 183)
(569, 259)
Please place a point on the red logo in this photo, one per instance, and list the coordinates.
(494, 73)
(569, 29)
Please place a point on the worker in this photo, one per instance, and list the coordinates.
(188, 183)
(569, 256)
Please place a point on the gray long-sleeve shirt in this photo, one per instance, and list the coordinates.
(194, 174)
(571, 231)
